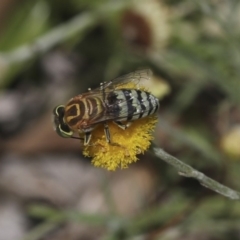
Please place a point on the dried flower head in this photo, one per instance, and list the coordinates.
(145, 25)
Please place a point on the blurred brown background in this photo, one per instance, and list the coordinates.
(53, 50)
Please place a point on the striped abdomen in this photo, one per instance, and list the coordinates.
(131, 104)
(83, 111)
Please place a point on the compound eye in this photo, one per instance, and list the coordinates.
(59, 125)
(64, 131)
(59, 111)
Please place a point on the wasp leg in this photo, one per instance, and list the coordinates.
(122, 125)
(87, 138)
(107, 133)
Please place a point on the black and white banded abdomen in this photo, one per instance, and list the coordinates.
(131, 104)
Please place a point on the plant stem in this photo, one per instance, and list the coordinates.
(187, 171)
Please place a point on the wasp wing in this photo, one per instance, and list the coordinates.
(134, 77)
(112, 109)
(121, 109)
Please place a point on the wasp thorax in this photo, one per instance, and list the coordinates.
(83, 111)
(74, 112)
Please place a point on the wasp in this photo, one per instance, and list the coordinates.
(109, 102)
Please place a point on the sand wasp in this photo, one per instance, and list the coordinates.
(109, 102)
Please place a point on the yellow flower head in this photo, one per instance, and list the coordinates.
(125, 144)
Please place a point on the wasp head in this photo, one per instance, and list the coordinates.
(59, 124)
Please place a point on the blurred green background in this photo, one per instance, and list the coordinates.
(53, 50)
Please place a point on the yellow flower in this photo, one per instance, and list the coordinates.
(125, 144)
